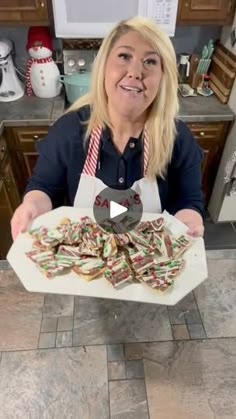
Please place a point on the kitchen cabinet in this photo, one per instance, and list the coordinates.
(9, 197)
(32, 12)
(22, 142)
(18, 156)
(211, 137)
(202, 12)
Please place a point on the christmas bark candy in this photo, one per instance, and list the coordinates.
(141, 260)
(90, 269)
(156, 225)
(148, 254)
(118, 273)
(110, 247)
(180, 245)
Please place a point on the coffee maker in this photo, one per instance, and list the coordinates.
(184, 68)
(10, 86)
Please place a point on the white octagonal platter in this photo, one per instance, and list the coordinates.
(194, 273)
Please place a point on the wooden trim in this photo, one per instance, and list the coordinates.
(223, 67)
(226, 57)
(218, 83)
(218, 93)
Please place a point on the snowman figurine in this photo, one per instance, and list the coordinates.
(42, 76)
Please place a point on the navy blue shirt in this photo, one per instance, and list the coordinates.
(62, 156)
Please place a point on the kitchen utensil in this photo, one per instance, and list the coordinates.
(205, 52)
(184, 67)
(210, 48)
(10, 86)
(76, 85)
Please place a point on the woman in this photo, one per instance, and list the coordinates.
(124, 133)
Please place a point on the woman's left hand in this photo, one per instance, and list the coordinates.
(193, 220)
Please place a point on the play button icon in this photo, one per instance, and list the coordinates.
(117, 211)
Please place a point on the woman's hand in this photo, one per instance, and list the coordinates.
(193, 220)
(35, 203)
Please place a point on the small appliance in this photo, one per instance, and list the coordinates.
(77, 66)
(184, 68)
(10, 86)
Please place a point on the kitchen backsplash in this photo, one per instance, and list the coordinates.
(187, 39)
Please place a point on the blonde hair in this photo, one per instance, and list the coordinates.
(160, 123)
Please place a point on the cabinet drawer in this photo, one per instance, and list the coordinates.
(208, 131)
(3, 148)
(27, 137)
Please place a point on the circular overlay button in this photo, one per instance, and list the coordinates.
(117, 211)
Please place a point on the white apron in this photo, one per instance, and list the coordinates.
(90, 187)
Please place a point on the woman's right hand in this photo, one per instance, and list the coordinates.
(35, 203)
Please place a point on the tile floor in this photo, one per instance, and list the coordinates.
(82, 358)
(219, 235)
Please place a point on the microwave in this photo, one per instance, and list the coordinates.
(95, 18)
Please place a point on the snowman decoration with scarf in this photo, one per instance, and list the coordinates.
(42, 76)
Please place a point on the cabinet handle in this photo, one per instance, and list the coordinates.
(186, 4)
(35, 137)
(229, 8)
(42, 4)
(202, 133)
(3, 149)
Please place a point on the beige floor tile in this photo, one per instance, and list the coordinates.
(133, 351)
(47, 340)
(116, 370)
(20, 314)
(191, 380)
(180, 332)
(128, 399)
(58, 305)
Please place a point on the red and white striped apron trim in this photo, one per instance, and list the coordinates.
(90, 165)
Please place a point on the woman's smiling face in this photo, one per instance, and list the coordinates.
(132, 75)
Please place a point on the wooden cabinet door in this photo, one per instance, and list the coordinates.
(6, 213)
(211, 137)
(209, 166)
(19, 11)
(9, 200)
(10, 185)
(23, 151)
(203, 12)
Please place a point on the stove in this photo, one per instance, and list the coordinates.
(78, 60)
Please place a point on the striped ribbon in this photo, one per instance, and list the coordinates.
(30, 62)
(90, 165)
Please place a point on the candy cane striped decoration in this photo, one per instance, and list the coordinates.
(29, 90)
(90, 165)
(30, 62)
(145, 152)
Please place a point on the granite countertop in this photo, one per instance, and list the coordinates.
(31, 111)
(204, 109)
(35, 111)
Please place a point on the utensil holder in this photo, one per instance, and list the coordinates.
(194, 79)
(198, 67)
